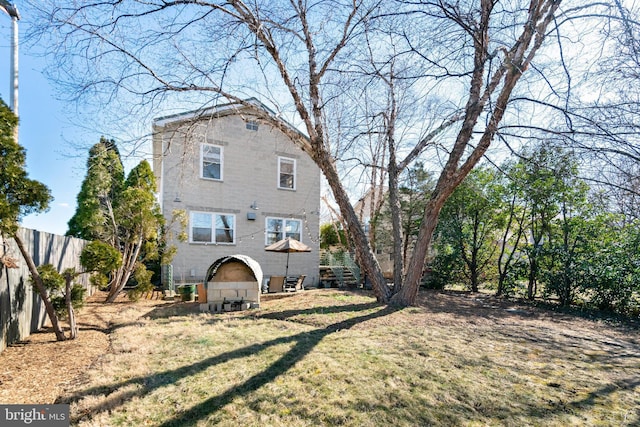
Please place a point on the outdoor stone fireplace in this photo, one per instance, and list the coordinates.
(232, 283)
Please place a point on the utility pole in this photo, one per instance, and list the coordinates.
(12, 11)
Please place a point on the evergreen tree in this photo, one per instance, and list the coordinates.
(105, 179)
(332, 234)
(122, 213)
(138, 222)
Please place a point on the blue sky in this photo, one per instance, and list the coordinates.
(46, 134)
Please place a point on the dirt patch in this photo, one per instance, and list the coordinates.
(37, 370)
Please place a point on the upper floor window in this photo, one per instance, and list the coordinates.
(211, 161)
(251, 125)
(208, 227)
(286, 173)
(279, 228)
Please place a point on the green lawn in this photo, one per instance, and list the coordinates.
(327, 357)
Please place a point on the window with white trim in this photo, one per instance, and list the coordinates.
(251, 125)
(286, 173)
(211, 162)
(208, 227)
(280, 228)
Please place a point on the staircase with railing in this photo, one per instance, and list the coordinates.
(339, 270)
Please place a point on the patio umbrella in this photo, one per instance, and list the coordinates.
(288, 245)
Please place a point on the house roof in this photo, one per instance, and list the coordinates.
(245, 259)
(220, 109)
(223, 110)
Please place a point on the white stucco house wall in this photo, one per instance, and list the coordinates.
(243, 185)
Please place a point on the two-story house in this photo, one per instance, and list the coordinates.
(243, 185)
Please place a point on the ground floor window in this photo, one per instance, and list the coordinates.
(208, 227)
(279, 228)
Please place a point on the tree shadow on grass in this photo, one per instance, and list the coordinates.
(323, 309)
(304, 343)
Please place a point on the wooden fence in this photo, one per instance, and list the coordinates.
(21, 309)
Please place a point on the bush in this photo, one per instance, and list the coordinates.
(434, 279)
(77, 300)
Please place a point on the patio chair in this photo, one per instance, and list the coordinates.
(299, 283)
(276, 284)
(294, 285)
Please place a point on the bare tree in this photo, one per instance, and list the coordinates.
(295, 55)
(489, 91)
(590, 106)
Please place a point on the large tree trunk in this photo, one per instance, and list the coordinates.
(394, 205)
(394, 197)
(408, 292)
(42, 291)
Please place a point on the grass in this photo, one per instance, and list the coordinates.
(329, 357)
